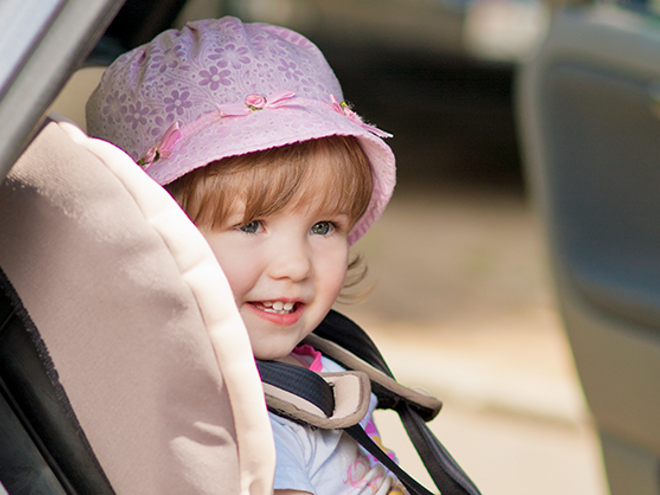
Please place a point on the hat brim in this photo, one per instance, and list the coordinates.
(270, 128)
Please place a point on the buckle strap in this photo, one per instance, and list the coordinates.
(344, 341)
(389, 392)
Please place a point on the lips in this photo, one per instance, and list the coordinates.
(278, 312)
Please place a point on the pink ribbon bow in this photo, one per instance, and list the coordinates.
(162, 149)
(255, 102)
(346, 110)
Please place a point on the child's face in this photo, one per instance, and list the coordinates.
(286, 271)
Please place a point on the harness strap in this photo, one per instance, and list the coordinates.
(303, 384)
(309, 386)
(325, 400)
(361, 437)
(445, 472)
(389, 392)
(353, 346)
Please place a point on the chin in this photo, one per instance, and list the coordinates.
(272, 353)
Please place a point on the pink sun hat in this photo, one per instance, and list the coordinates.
(220, 88)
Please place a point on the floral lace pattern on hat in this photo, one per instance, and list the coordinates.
(181, 79)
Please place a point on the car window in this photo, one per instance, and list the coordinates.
(42, 43)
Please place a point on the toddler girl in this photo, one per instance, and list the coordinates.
(245, 125)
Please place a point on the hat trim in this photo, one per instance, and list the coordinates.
(252, 103)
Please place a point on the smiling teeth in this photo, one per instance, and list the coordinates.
(278, 306)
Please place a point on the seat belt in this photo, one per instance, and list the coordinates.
(342, 340)
(311, 387)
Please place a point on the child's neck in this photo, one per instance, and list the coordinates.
(289, 359)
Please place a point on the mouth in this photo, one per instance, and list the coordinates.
(281, 313)
(277, 307)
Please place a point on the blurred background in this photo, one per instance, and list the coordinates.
(461, 299)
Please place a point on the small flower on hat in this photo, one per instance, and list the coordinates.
(345, 109)
(162, 149)
(255, 102)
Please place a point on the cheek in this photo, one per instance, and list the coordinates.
(335, 273)
(239, 273)
(234, 263)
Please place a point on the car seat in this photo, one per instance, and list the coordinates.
(124, 365)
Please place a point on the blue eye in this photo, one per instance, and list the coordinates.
(322, 228)
(251, 227)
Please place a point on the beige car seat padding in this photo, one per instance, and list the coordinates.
(415, 396)
(138, 319)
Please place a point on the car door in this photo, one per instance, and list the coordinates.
(590, 126)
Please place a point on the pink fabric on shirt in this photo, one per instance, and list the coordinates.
(307, 351)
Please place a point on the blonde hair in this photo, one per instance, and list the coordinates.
(331, 172)
(271, 180)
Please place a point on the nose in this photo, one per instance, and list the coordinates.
(292, 260)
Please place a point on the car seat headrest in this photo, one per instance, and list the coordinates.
(138, 319)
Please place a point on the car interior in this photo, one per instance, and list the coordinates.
(90, 244)
(588, 108)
